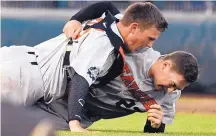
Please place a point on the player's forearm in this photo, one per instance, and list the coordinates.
(78, 90)
(94, 11)
(149, 129)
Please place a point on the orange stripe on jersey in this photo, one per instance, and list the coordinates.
(94, 21)
(90, 23)
(79, 35)
(134, 89)
(122, 53)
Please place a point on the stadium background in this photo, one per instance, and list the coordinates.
(192, 27)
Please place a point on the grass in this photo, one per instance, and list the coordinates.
(185, 125)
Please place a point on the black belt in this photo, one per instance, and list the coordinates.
(66, 58)
(67, 55)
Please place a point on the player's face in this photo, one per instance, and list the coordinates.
(166, 78)
(138, 39)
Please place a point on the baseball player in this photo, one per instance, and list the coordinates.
(107, 101)
(38, 73)
(150, 36)
(72, 28)
(148, 85)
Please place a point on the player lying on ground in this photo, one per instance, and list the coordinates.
(155, 92)
(51, 67)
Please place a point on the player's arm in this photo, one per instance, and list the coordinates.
(78, 90)
(168, 113)
(84, 70)
(73, 27)
(169, 106)
(95, 10)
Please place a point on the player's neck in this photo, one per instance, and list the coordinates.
(122, 30)
(154, 68)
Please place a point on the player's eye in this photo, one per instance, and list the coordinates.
(151, 39)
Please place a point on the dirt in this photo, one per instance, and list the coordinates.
(196, 103)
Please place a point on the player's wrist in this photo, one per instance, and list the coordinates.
(74, 124)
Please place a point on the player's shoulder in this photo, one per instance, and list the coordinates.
(99, 36)
(92, 36)
(118, 16)
(99, 33)
(149, 53)
(94, 41)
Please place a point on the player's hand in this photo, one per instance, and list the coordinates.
(75, 126)
(72, 28)
(155, 115)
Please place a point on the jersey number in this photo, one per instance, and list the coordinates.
(128, 104)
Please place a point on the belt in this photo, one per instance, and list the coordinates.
(67, 54)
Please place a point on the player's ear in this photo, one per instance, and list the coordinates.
(166, 64)
(133, 27)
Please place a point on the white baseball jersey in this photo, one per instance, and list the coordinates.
(134, 90)
(91, 56)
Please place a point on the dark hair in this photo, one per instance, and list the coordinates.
(184, 63)
(146, 14)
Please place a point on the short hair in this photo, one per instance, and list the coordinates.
(184, 63)
(146, 14)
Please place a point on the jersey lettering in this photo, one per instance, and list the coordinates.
(133, 88)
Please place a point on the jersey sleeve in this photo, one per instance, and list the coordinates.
(169, 107)
(91, 57)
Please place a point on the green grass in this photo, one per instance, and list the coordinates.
(184, 125)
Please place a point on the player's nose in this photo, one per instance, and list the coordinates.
(150, 44)
(170, 89)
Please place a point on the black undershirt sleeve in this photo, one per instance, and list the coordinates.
(95, 10)
(77, 92)
(149, 129)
